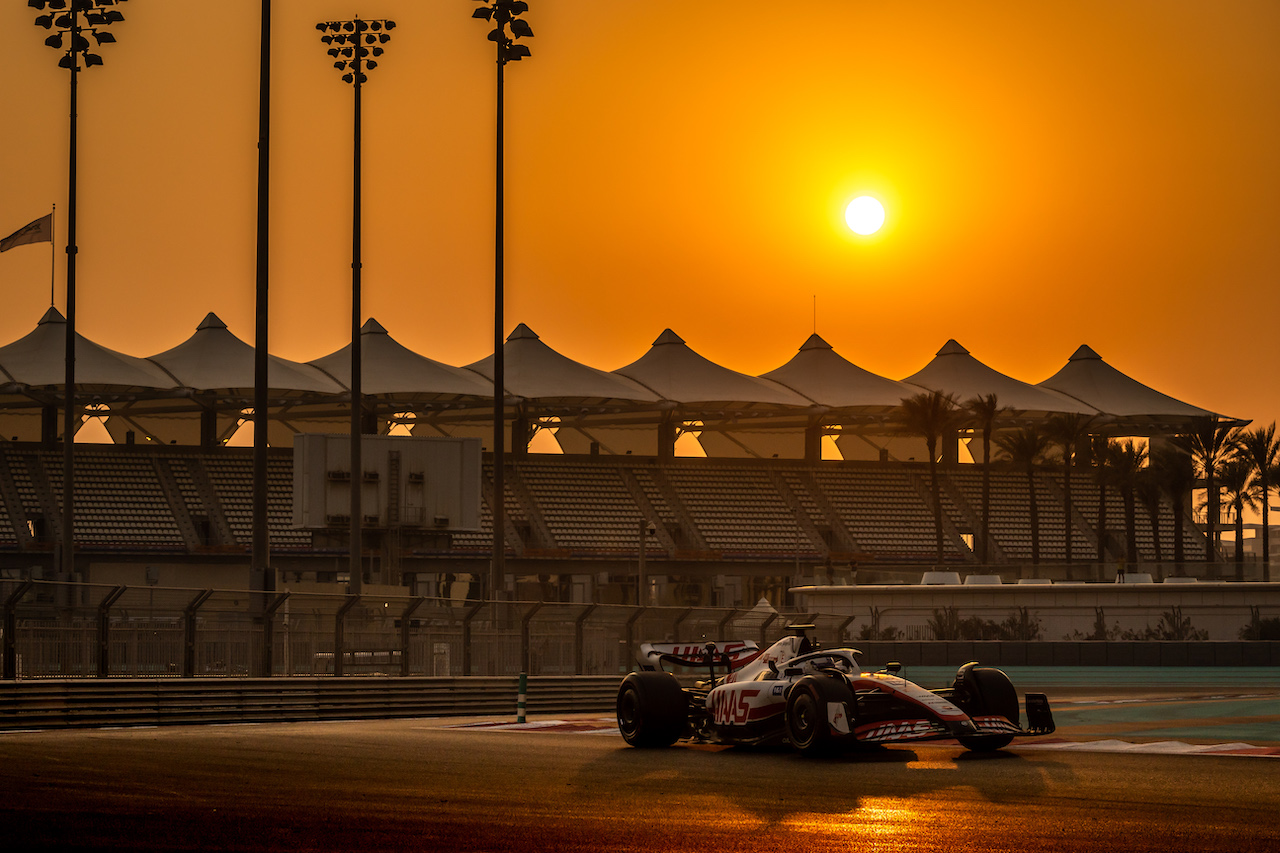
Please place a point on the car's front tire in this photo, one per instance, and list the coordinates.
(986, 691)
(652, 709)
(807, 726)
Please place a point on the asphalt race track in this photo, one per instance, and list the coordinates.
(1102, 783)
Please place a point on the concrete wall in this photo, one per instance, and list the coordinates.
(1067, 611)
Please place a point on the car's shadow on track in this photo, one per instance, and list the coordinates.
(778, 786)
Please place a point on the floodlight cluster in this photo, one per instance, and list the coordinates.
(505, 14)
(355, 44)
(74, 21)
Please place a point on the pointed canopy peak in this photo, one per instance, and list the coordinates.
(815, 341)
(52, 316)
(952, 347)
(1084, 353)
(668, 337)
(211, 321)
(522, 333)
(372, 327)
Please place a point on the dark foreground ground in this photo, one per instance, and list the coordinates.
(446, 785)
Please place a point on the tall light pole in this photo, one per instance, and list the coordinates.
(353, 45)
(74, 21)
(504, 14)
(261, 578)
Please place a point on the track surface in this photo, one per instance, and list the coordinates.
(446, 785)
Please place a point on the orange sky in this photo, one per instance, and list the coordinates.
(1054, 174)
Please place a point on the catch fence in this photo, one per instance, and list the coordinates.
(58, 630)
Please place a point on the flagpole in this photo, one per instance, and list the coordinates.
(53, 255)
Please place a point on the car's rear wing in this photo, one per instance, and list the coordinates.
(731, 656)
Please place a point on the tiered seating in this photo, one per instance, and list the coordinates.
(482, 540)
(586, 507)
(881, 508)
(118, 500)
(280, 506)
(1011, 513)
(666, 514)
(738, 510)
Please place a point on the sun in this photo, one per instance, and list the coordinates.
(865, 215)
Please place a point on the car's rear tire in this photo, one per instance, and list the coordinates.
(986, 691)
(652, 709)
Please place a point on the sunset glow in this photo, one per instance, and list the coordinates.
(666, 186)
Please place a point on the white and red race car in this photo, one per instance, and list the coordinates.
(815, 699)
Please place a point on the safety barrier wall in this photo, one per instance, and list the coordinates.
(93, 703)
(1082, 653)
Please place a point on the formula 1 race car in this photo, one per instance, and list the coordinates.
(818, 700)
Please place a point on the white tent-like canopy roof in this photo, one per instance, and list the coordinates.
(214, 359)
(390, 370)
(675, 372)
(1088, 378)
(534, 371)
(955, 371)
(827, 378)
(38, 360)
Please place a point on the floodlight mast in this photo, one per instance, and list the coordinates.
(353, 45)
(503, 13)
(71, 36)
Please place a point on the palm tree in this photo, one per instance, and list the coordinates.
(1260, 448)
(1127, 460)
(1173, 469)
(1025, 448)
(1238, 483)
(1068, 431)
(1209, 441)
(1101, 451)
(983, 412)
(932, 415)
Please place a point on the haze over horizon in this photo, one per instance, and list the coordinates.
(1101, 175)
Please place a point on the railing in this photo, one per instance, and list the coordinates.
(76, 703)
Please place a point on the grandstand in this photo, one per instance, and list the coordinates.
(726, 531)
(811, 471)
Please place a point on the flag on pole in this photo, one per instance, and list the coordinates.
(40, 231)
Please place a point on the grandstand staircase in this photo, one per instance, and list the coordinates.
(177, 504)
(543, 539)
(648, 511)
(1084, 538)
(949, 529)
(842, 542)
(686, 538)
(511, 538)
(219, 528)
(803, 518)
(50, 506)
(13, 503)
(974, 517)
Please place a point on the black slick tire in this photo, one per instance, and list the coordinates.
(652, 709)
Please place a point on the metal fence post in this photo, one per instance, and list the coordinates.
(104, 630)
(675, 627)
(352, 601)
(408, 612)
(11, 629)
(525, 663)
(579, 640)
(631, 629)
(764, 629)
(269, 633)
(189, 632)
(466, 636)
